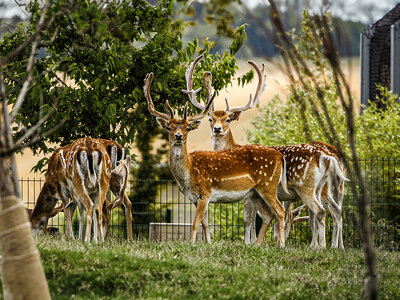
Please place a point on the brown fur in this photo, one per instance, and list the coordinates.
(236, 169)
(54, 189)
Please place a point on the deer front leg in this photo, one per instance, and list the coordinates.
(68, 214)
(201, 208)
(249, 221)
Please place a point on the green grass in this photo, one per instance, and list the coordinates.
(224, 270)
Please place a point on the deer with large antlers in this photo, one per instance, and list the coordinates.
(219, 176)
(308, 167)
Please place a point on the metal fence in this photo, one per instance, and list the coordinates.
(170, 209)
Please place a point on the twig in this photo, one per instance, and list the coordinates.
(41, 121)
(7, 152)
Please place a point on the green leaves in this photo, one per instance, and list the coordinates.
(239, 36)
(98, 61)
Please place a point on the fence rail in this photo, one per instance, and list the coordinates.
(166, 204)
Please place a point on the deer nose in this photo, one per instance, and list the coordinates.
(217, 129)
(178, 136)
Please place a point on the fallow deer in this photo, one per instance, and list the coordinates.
(88, 172)
(307, 167)
(334, 204)
(55, 188)
(83, 167)
(119, 179)
(219, 176)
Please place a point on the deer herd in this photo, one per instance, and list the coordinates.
(268, 179)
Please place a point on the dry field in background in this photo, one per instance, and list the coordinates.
(200, 139)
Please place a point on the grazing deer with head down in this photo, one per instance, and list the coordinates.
(307, 167)
(82, 170)
(219, 176)
(55, 188)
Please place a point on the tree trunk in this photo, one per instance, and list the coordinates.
(22, 272)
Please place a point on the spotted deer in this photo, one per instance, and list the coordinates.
(219, 176)
(307, 167)
(332, 195)
(120, 164)
(82, 170)
(55, 188)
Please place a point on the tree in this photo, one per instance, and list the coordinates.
(22, 272)
(94, 63)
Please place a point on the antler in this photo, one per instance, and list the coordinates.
(260, 89)
(200, 115)
(152, 110)
(189, 83)
(192, 93)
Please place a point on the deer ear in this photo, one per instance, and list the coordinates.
(235, 115)
(194, 125)
(163, 123)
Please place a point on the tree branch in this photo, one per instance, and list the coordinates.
(9, 151)
(34, 36)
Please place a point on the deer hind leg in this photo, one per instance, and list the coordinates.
(339, 201)
(81, 210)
(99, 209)
(336, 213)
(89, 207)
(267, 216)
(128, 217)
(268, 194)
(317, 215)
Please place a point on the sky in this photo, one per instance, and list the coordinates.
(366, 11)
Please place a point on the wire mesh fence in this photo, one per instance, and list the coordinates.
(166, 213)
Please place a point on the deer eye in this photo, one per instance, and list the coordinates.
(210, 119)
(228, 120)
(168, 128)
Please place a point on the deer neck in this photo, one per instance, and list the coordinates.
(180, 164)
(222, 142)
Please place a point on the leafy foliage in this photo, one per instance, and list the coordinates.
(376, 130)
(96, 65)
(296, 118)
(94, 62)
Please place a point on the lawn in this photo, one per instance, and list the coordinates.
(224, 270)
